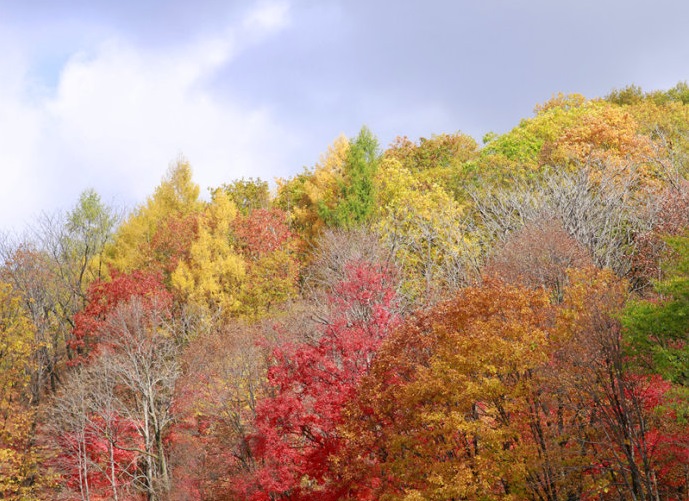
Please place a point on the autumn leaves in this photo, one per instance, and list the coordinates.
(438, 321)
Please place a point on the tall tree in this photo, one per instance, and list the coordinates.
(143, 356)
(213, 275)
(357, 198)
(19, 457)
(264, 238)
(621, 406)
(436, 418)
(426, 230)
(310, 195)
(658, 330)
(157, 234)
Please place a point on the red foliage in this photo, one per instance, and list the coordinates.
(297, 428)
(262, 231)
(172, 241)
(103, 298)
(92, 463)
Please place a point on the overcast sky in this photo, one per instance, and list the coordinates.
(104, 94)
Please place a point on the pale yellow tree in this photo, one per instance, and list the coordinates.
(425, 228)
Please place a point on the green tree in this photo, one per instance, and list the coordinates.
(658, 331)
(311, 195)
(357, 197)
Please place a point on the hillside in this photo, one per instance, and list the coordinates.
(434, 320)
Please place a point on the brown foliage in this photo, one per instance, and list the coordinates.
(538, 255)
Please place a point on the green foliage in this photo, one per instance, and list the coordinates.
(520, 152)
(357, 197)
(631, 94)
(248, 194)
(89, 228)
(658, 331)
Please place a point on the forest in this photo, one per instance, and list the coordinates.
(434, 320)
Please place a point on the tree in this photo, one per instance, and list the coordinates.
(658, 330)
(621, 407)
(668, 215)
(76, 242)
(268, 245)
(444, 159)
(426, 230)
(95, 445)
(309, 195)
(602, 215)
(213, 275)
(356, 200)
(103, 298)
(297, 428)
(19, 458)
(51, 271)
(174, 205)
(248, 194)
(29, 272)
(216, 397)
(435, 419)
(115, 411)
(143, 357)
(538, 255)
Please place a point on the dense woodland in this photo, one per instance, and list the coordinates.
(438, 320)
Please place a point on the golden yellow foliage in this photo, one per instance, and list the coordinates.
(213, 275)
(177, 196)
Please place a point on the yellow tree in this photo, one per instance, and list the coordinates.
(568, 132)
(213, 274)
(518, 152)
(607, 138)
(272, 270)
(19, 457)
(444, 159)
(666, 123)
(157, 234)
(307, 195)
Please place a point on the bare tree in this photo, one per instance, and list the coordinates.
(87, 417)
(538, 255)
(121, 402)
(601, 213)
(144, 359)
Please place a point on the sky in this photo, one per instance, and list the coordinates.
(106, 94)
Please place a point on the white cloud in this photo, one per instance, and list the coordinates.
(120, 114)
(268, 17)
